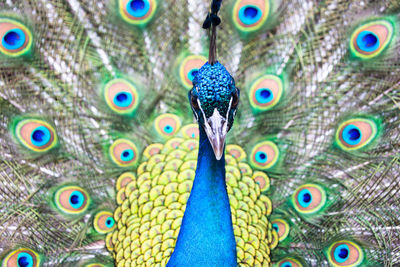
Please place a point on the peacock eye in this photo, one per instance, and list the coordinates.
(345, 253)
(166, 125)
(188, 69)
(289, 262)
(72, 200)
(194, 102)
(265, 92)
(281, 227)
(235, 99)
(123, 152)
(309, 198)
(22, 257)
(36, 135)
(121, 96)
(104, 222)
(250, 15)
(264, 155)
(369, 40)
(16, 38)
(356, 133)
(137, 12)
(190, 131)
(262, 180)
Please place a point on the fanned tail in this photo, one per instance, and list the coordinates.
(93, 90)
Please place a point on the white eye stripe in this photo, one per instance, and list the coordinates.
(230, 106)
(204, 115)
(198, 102)
(227, 114)
(195, 114)
(202, 111)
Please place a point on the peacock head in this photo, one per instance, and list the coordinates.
(214, 100)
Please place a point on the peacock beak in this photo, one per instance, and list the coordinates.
(216, 129)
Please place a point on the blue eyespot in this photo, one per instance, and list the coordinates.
(110, 222)
(104, 222)
(264, 95)
(25, 260)
(368, 41)
(123, 99)
(341, 253)
(264, 155)
(287, 264)
(261, 157)
(250, 14)
(40, 136)
(304, 198)
(127, 155)
(192, 73)
(168, 129)
(275, 226)
(138, 8)
(13, 39)
(123, 152)
(352, 134)
(76, 199)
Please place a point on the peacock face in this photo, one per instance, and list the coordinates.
(214, 100)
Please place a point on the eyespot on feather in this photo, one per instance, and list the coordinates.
(73, 200)
(245, 169)
(173, 143)
(309, 198)
(21, 257)
(123, 153)
(250, 15)
(264, 155)
(262, 180)
(189, 145)
(355, 133)
(236, 151)
(370, 39)
(281, 227)
(289, 262)
(36, 135)
(121, 96)
(345, 253)
(104, 222)
(265, 93)
(188, 69)
(125, 179)
(190, 131)
(152, 150)
(167, 125)
(16, 38)
(137, 12)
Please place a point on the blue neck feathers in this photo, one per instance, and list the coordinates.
(206, 235)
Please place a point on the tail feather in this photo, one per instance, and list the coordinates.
(326, 119)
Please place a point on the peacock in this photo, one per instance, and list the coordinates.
(199, 133)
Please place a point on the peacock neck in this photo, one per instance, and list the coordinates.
(206, 235)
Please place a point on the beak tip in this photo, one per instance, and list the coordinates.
(218, 156)
(219, 151)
